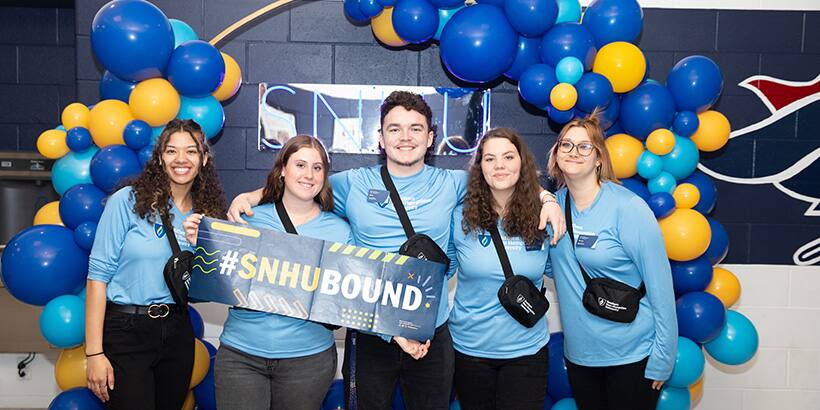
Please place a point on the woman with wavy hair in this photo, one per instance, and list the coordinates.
(139, 344)
(500, 363)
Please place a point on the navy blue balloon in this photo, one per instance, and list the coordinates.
(527, 54)
(531, 18)
(354, 13)
(701, 316)
(113, 165)
(613, 20)
(691, 276)
(335, 397)
(561, 117)
(496, 3)
(78, 139)
(81, 203)
(370, 8)
(662, 204)
(535, 84)
(686, 123)
(144, 155)
(719, 245)
(415, 20)
(695, 83)
(637, 186)
(616, 128)
(558, 382)
(84, 234)
(114, 88)
(196, 69)
(707, 189)
(610, 114)
(196, 322)
(205, 391)
(447, 4)
(78, 398)
(647, 108)
(568, 40)
(478, 44)
(133, 39)
(137, 134)
(594, 91)
(387, 3)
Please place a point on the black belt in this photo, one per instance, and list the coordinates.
(157, 310)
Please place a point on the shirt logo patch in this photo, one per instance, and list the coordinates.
(484, 240)
(379, 197)
(159, 230)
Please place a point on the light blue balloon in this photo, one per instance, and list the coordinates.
(182, 32)
(737, 342)
(689, 364)
(62, 321)
(565, 404)
(683, 159)
(673, 398)
(72, 169)
(664, 182)
(81, 295)
(60, 127)
(444, 16)
(649, 165)
(155, 132)
(206, 111)
(568, 11)
(569, 70)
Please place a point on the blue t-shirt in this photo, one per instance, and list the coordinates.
(478, 323)
(274, 336)
(129, 253)
(429, 197)
(617, 237)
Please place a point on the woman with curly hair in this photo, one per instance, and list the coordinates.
(500, 363)
(139, 344)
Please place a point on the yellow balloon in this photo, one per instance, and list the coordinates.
(202, 361)
(624, 152)
(231, 82)
(75, 115)
(563, 96)
(686, 234)
(154, 101)
(713, 131)
(70, 368)
(660, 142)
(51, 144)
(696, 390)
(48, 214)
(107, 121)
(383, 30)
(686, 196)
(725, 286)
(622, 63)
(189, 402)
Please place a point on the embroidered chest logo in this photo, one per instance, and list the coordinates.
(159, 230)
(379, 197)
(485, 239)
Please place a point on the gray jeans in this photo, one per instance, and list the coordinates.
(247, 382)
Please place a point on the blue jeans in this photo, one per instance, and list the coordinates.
(245, 382)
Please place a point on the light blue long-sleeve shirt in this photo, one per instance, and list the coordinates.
(621, 241)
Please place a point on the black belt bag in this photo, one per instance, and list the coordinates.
(177, 271)
(604, 297)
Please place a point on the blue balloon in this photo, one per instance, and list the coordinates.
(496, 3)
(664, 182)
(137, 134)
(647, 108)
(444, 16)
(398, 399)
(78, 398)
(182, 32)
(649, 165)
(561, 117)
(613, 20)
(689, 363)
(132, 39)
(685, 123)
(72, 169)
(695, 83)
(683, 159)
(691, 276)
(354, 13)
(548, 403)
(719, 245)
(478, 33)
(565, 404)
(569, 11)
(114, 88)
(84, 234)
(707, 189)
(205, 392)
(674, 398)
(614, 129)
(609, 116)
(370, 8)
(62, 321)
(78, 139)
(114, 165)
(662, 204)
(737, 342)
(700, 316)
(569, 70)
(144, 155)
(335, 398)
(637, 186)
(81, 294)
(448, 4)
(527, 55)
(81, 203)
(196, 69)
(535, 84)
(415, 20)
(206, 111)
(568, 40)
(531, 18)
(558, 382)
(196, 322)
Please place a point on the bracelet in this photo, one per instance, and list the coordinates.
(544, 195)
(95, 354)
(548, 200)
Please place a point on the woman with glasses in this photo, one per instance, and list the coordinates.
(139, 344)
(611, 365)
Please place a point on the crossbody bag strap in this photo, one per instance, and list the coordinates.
(501, 251)
(394, 196)
(169, 232)
(284, 217)
(568, 218)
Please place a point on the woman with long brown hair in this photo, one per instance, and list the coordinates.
(135, 335)
(500, 363)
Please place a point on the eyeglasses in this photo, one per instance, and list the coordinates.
(583, 148)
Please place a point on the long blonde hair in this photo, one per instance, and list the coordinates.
(592, 125)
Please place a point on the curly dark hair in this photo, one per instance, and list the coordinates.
(410, 102)
(275, 186)
(524, 208)
(152, 188)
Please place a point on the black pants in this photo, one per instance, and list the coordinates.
(372, 367)
(515, 384)
(152, 360)
(621, 387)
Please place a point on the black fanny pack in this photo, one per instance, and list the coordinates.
(519, 297)
(604, 297)
(177, 271)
